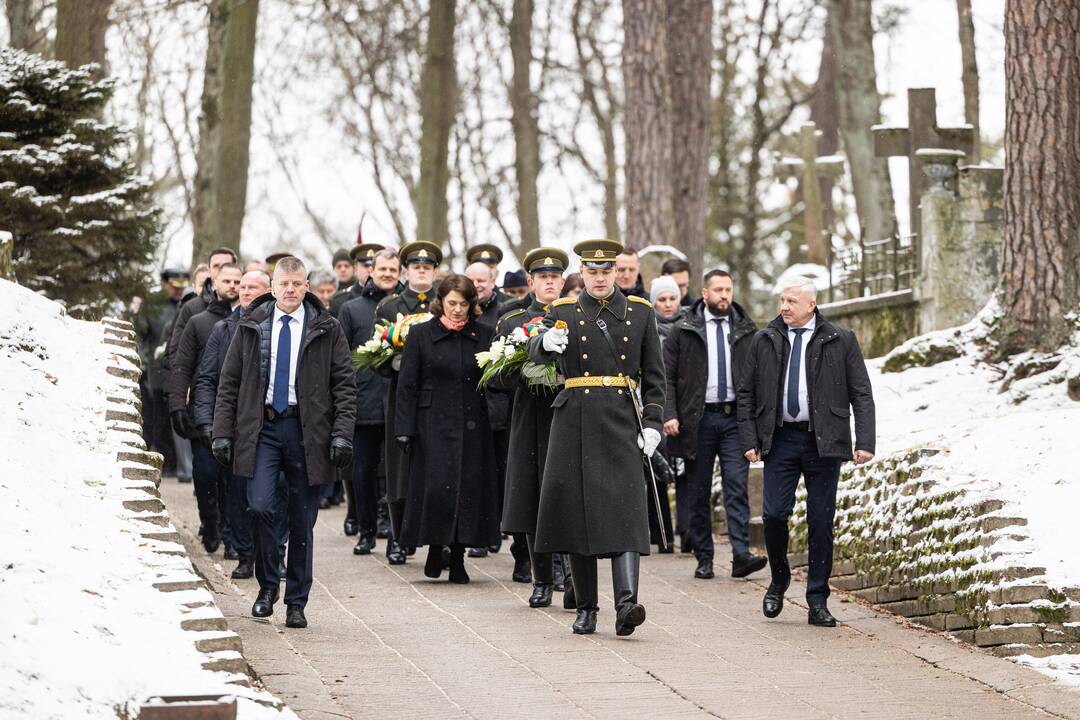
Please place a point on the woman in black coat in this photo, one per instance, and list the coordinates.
(442, 424)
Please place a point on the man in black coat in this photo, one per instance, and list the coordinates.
(196, 303)
(804, 378)
(285, 410)
(628, 274)
(530, 423)
(347, 279)
(357, 318)
(253, 284)
(211, 489)
(419, 258)
(704, 356)
(592, 498)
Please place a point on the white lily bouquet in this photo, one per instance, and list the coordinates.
(508, 354)
(387, 342)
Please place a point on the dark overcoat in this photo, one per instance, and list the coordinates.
(407, 302)
(592, 498)
(452, 494)
(325, 393)
(188, 353)
(530, 424)
(836, 384)
(357, 318)
(500, 403)
(204, 390)
(190, 306)
(686, 362)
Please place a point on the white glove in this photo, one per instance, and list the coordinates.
(395, 362)
(555, 340)
(648, 441)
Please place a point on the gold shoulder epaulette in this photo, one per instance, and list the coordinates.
(563, 301)
(507, 316)
(637, 299)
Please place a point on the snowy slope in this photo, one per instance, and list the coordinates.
(82, 631)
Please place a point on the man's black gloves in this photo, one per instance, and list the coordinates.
(341, 452)
(222, 450)
(404, 442)
(181, 424)
(206, 434)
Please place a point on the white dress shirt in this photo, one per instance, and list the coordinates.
(804, 406)
(296, 327)
(712, 386)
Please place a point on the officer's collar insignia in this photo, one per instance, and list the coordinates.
(422, 296)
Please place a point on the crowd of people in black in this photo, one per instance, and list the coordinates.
(250, 393)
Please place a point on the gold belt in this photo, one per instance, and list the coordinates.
(600, 381)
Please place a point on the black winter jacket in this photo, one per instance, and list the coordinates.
(185, 359)
(190, 306)
(686, 364)
(357, 318)
(209, 370)
(837, 384)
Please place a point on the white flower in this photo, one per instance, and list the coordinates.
(509, 351)
(483, 358)
(518, 337)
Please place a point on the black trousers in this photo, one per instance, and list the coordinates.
(794, 453)
(367, 451)
(206, 473)
(279, 458)
(718, 436)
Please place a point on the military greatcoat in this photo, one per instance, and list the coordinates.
(530, 424)
(407, 302)
(593, 495)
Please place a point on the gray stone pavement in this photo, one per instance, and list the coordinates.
(386, 642)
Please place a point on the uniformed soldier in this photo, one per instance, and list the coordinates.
(530, 422)
(593, 495)
(419, 259)
(363, 257)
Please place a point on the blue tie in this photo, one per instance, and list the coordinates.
(793, 374)
(721, 362)
(280, 401)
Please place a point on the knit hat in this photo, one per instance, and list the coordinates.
(515, 279)
(661, 285)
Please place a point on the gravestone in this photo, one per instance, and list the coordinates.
(809, 167)
(921, 133)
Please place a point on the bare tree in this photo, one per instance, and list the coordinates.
(80, 33)
(1041, 261)
(850, 22)
(438, 107)
(206, 177)
(24, 25)
(526, 129)
(649, 213)
(970, 73)
(689, 36)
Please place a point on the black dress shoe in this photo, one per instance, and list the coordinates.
(264, 603)
(434, 565)
(294, 617)
(819, 615)
(496, 547)
(351, 527)
(364, 546)
(773, 602)
(478, 552)
(747, 564)
(458, 575)
(324, 503)
(541, 595)
(230, 553)
(704, 570)
(244, 570)
(211, 542)
(569, 602)
(522, 570)
(628, 618)
(395, 554)
(585, 624)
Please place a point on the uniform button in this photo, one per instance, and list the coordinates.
(583, 338)
(586, 374)
(625, 339)
(584, 356)
(620, 392)
(470, 425)
(627, 322)
(579, 309)
(581, 322)
(623, 357)
(586, 391)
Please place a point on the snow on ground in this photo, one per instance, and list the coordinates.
(1018, 446)
(82, 632)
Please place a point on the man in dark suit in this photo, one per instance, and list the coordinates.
(703, 358)
(804, 378)
(285, 410)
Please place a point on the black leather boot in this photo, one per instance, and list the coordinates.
(542, 576)
(585, 594)
(433, 566)
(559, 572)
(522, 565)
(457, 565)
(395, 554)
(625, 570)
(569, 602)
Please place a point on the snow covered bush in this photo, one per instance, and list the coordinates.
(84, 222)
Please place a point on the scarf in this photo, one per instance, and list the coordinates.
(450, 324)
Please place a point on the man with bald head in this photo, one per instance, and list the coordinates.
(804, 379)
(489, 296)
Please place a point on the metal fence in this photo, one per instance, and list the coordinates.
(873, 268)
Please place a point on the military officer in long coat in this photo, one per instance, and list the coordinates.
(419, 259)
(530, 421)
(593, 495)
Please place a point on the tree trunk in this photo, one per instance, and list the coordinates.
(438, 106)
(1041, 259)
(689, 36)
(649, 214)
(970, 73)
(825, 114)
(22, 19)
(209, 136)
(80, 33)
(526, 129)
(860, 109)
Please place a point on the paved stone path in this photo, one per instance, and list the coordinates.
(386, 642)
